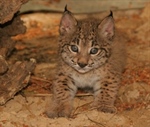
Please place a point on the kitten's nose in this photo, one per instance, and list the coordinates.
(82, 65)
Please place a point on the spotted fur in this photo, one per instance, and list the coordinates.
(92, 54)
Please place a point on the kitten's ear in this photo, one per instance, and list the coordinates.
(107, 27)
(68, 23)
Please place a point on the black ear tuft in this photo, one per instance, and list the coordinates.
(111, 14)
(65, 8)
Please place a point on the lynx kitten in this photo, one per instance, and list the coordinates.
(91, 54)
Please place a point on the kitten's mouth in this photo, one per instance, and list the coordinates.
(82, 70)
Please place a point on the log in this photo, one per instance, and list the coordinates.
(8, 8)
(3, 65)
(16, 78)
(7, 30)
(82, 6)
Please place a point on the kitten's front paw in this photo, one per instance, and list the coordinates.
(59, 111)
(103, 107)
(107, 109)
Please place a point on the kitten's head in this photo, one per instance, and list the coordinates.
(85, 44)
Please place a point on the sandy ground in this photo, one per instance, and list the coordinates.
(27, 108)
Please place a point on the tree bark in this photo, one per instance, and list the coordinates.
(13, 78)
(16, 78)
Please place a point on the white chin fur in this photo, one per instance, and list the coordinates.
(82, 70)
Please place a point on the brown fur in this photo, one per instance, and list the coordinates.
(92, 54)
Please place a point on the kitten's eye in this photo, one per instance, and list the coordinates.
(94, 50)
(74, 48)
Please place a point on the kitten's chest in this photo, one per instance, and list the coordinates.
(85, 80)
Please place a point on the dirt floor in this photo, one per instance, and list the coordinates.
(40, 42)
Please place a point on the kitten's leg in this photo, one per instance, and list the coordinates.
(64, 91)
(105, 94)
